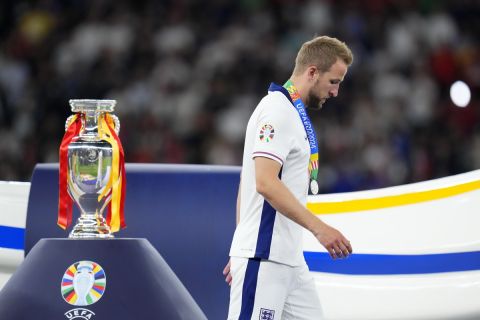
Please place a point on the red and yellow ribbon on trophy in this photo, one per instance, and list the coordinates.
(115, 187)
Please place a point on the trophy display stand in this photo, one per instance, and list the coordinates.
(91, 275)
(134, 283)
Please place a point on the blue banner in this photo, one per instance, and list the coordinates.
(12, 237)
(385, 264)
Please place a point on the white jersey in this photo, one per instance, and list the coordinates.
(274, 131)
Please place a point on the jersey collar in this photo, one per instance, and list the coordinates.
(275, 87)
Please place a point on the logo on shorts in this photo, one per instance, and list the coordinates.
(267, 133)
(267, 314)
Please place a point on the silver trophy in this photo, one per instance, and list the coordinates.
(89, 169)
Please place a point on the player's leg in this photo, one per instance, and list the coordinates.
(238, 268)
(302, 302)
(259, 289)
(274, 282)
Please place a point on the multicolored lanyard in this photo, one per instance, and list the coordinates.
(312, 137)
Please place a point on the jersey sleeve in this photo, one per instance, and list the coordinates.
(273, 133)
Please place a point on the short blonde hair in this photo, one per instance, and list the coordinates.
(322, 52)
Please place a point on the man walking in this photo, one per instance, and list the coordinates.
(267, 271)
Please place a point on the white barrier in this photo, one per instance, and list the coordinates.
(419, 222)
(423, 220)
(13, 215)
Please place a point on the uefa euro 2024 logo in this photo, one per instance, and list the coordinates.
(83, 284)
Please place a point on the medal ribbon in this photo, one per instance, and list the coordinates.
(65, 202)
(307, 124)
(117, 182)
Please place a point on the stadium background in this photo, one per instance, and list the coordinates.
(187, 74)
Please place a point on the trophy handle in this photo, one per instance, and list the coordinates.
(68, 121)
(116, 122)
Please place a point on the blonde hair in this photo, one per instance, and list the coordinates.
(322, 52)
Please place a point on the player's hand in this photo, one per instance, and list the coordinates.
(227, 274)
(334, 241)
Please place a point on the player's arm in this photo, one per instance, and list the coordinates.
(270, 186)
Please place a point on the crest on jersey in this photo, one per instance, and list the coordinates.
(267, 133)
(266, 314)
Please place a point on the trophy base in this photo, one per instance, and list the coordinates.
(157, 292)
(89, 235)
(95, 228)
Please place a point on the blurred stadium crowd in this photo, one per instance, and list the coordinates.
(188, 73)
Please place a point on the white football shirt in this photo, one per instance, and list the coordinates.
(274, 131)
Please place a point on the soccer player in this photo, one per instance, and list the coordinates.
(267, 273)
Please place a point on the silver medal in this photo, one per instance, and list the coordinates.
(314, 186)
